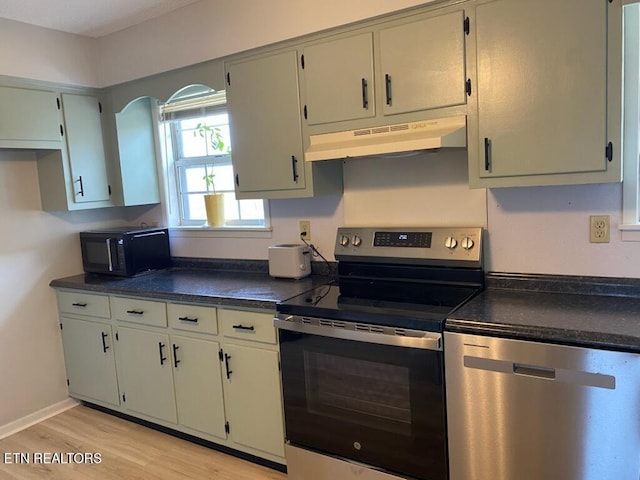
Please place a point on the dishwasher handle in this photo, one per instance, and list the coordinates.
(534, 371)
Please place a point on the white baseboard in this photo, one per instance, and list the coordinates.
(36, 417)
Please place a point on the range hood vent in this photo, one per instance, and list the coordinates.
(388, 139)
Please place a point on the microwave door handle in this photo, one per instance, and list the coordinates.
(140, 235)
(108, 242)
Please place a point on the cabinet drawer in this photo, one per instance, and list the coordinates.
(145, 312)
(81, 303)
(193, 318)
(257, 327)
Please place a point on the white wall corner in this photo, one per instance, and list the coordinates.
(36, 417)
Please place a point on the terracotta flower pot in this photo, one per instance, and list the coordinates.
(214, 204)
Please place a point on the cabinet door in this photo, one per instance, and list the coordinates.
(28, 116)
(89, 358)
(542, 88)
(198, 384)
(83, 129)
(254, 402)
(137, 153)
(422, 64)
(266, 131)
(144, 372)
(338, 77)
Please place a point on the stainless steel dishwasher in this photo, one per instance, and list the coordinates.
(519, 410)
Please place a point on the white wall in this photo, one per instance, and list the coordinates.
(39, 53)
(36, 247)
(546, 230)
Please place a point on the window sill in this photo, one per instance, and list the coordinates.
(630, 232)
(221, 232)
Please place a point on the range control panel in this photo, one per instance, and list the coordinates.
(420, 245)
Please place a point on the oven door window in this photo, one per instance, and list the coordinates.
(376, 404)
(372, 394)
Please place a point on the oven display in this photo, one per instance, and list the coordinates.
(402, 239)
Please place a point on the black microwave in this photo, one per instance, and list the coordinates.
(125, 251)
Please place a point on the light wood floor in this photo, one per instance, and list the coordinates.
(128, 452)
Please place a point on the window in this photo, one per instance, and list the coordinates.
(631, 123)
(198, 161)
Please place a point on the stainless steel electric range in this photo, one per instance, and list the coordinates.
(362, 358)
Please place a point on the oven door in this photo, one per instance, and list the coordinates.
(369, 396)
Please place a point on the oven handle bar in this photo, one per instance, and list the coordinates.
(417, 339)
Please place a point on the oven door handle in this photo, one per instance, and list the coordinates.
(411, 338)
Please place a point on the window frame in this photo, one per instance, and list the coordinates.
(630, 226)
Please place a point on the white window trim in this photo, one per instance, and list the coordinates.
(630, 226)
(170, 205)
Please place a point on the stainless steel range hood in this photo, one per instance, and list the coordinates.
(388, 139)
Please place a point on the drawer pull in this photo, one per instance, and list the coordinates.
(135, 312)
(242, 327)
(105, 347)
(79, 304)
(187, 319)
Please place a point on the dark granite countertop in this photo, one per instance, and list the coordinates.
(581, 311)
(251, 288)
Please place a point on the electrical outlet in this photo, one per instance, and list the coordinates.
(305, 230)
(599, 229)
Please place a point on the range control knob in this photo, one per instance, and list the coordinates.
(344, 240)
(356, 241)
(450, 243)
(467, 243)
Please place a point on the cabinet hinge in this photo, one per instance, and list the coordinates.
(608, 151)
(117, 338)
(221, 355)
(124, 397)
(228, 78)
(237, 180)
(60, 326)
(68, 384)
(305, 112)
(226, 427)
(302, 61)
(109, 189)
(467, 87)
(58, 102)
(100, 106)
(61, 131)
(466, 25)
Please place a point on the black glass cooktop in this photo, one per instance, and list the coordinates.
(424, 311)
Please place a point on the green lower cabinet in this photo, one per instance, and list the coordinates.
(254, 401)
(198, 385)
(145, 373)
(89, 358)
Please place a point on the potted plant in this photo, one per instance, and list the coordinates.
(213, 202)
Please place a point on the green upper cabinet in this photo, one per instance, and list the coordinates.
(85, 147)
(29, 118)
(338, 79)
(266, 130)
(408, 68)
(73, 173)
(136, 149)
(422, 64)
(548, 92)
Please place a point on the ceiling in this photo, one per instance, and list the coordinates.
(92, 18)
